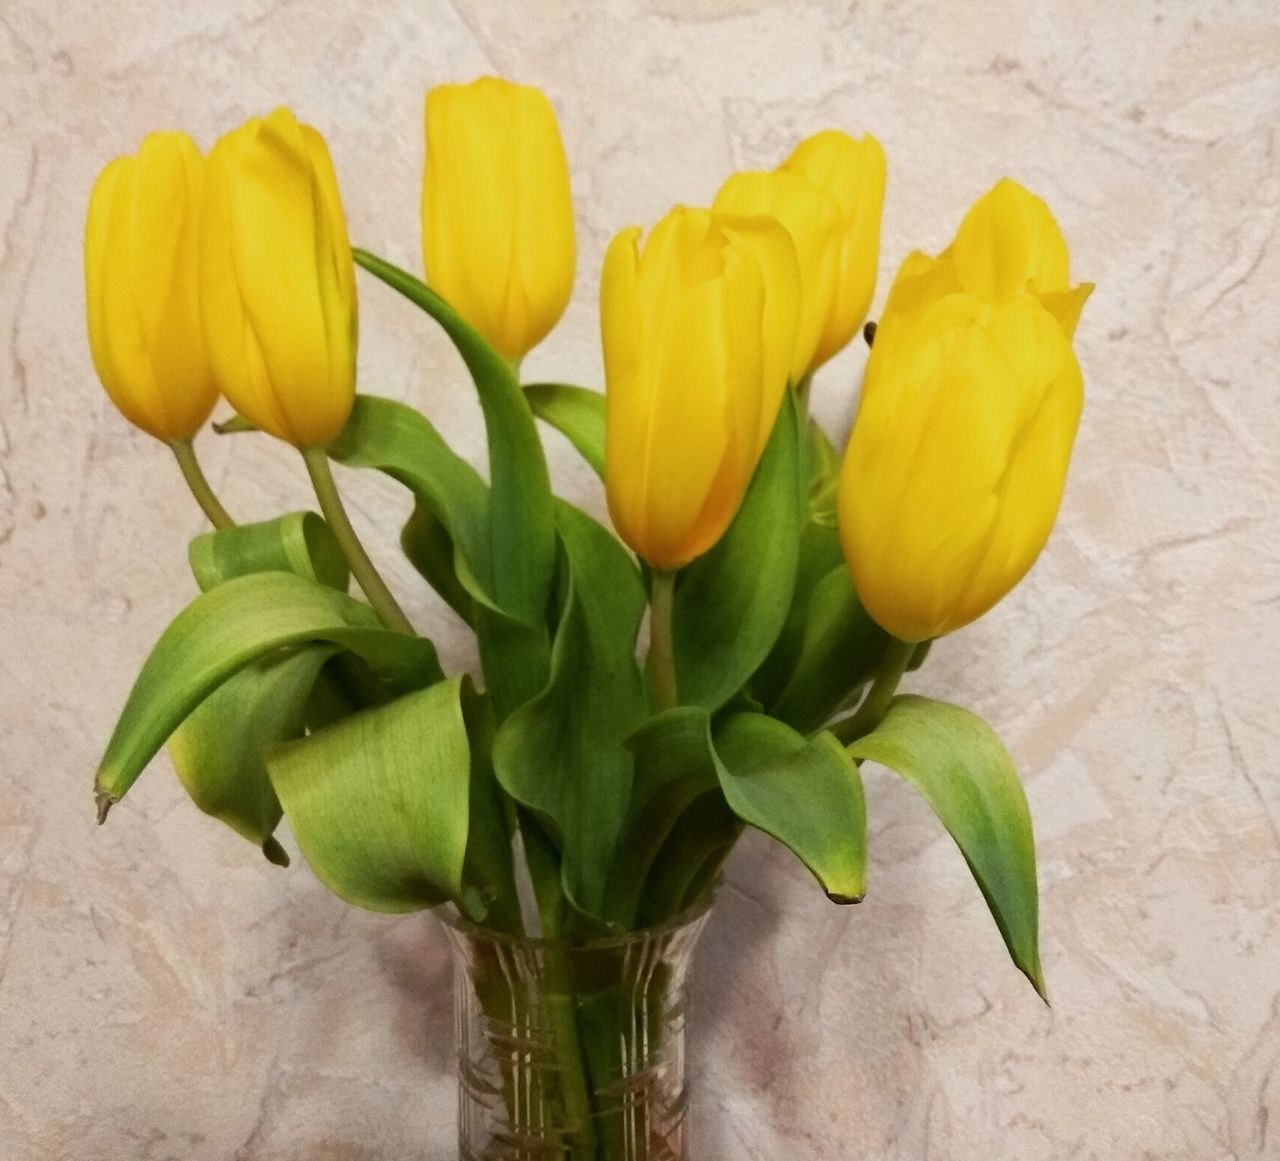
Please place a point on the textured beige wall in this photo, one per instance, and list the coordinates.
(164, 994)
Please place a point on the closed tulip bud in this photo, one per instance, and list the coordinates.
(141, 251)
(811, 216)
(277, 281)
(853, 172)
(698, 327)
(956, 466)
(497, 214)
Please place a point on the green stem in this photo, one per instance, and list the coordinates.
(375, 588)
(185, 454)
(560, 999)
(897, 656)
(662, 661)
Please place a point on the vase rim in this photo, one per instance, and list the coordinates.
(694, 913)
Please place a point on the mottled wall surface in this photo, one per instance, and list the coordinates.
(164, 994)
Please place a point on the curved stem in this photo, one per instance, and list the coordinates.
(375, 588)
(897, 657)
(662, 661)
(185, 454)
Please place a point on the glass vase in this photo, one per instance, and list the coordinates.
(572, 1050)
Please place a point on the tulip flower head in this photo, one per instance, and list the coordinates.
(497, 213)
(141, 258)
(956, 466)
(811, 216)
(699, 327)
(277, 281)
(853, 172)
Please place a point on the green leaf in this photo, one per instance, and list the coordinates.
(690, 859)
(515, 657)
(522, 542)
(299, 542)
(731, 604)
(225, 629)
(841, 648)
(823, 475)
(235, 425)
(805, 792)
(818, 554)
(380, 802)
(577, 413)
(958, 763)
(675, 764)
(561, 755)
(220, 751)
(430, 549)
(395, 439)
(453, 504)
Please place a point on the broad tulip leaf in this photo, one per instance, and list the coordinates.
(430, 549)
(577, 413)
(522, 541)
(731, 604)
(960, 766)
(299, 542)
(453, 502)
(675, 764)
(515, 657)
(395, 439)
(224, 630)
(819, 552)
(562, 755)
(823, 475)
(841, 648)
(690, 859)
(805, 792)
(220, 751)
(380, 802)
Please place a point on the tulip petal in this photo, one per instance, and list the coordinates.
(853, 172)
(141, 244)
(277, 287)
(812, 217)
(497, 211)
(1007, 241)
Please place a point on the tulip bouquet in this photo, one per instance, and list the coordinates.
(727, 660)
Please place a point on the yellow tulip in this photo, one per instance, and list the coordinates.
(140, 260)
(853, 172)
(277, 281)
(497, 214)
(811, 216)
(698, 328)
(955, 469)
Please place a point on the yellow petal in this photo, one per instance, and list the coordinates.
(853, 172)
(812, 217)
(497, 212)
(1009, 242)
(141, 244)
(772, 250)
(955, 468)
(277, 281)
(684, 327)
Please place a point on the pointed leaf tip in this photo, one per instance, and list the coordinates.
(103, 801)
